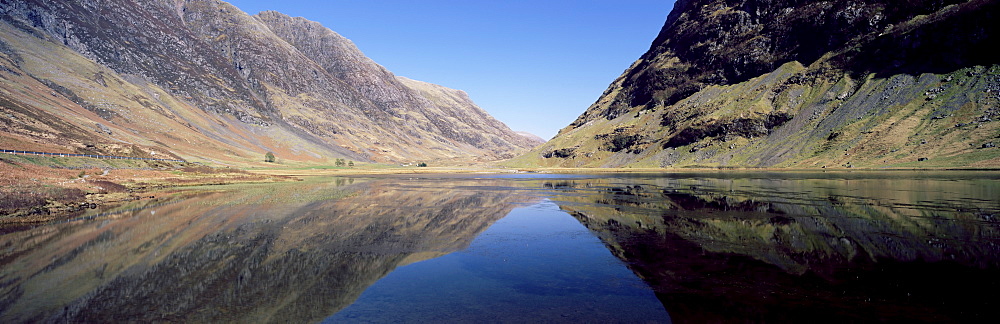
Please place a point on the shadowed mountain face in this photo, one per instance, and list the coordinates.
(202, 79)
(791, 83)
(836, 248)
(254, 254)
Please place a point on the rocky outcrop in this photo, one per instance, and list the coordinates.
(758, 83)
(207, 81)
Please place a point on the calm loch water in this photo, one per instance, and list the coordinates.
(636, 248)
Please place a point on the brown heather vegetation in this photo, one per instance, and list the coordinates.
(32, 190)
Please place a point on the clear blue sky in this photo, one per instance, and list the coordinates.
(535, 65)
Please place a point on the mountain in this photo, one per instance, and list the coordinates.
(204, 81)
(531, 136)
(799, 84)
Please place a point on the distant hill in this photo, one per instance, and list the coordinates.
(204, 81)
(531, 136)
(800, 84)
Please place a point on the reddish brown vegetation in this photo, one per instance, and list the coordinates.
(33, 193)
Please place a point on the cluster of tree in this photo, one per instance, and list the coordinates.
(269, 157)
(422, 165)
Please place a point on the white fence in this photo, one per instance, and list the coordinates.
(106, 157)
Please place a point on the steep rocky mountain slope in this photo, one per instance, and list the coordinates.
(204, 81)
(794, 83)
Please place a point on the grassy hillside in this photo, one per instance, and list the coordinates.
(778, 120)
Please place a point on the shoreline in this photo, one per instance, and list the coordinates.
(126, 185)
(37, 190)
(447, 170)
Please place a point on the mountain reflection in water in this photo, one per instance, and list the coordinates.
(277, 252)
(805, 247)
(714, 247)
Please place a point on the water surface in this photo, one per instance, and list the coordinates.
(686, 247)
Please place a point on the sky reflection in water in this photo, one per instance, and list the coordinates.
(538, 264)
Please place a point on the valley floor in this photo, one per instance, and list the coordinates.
(36, 189)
